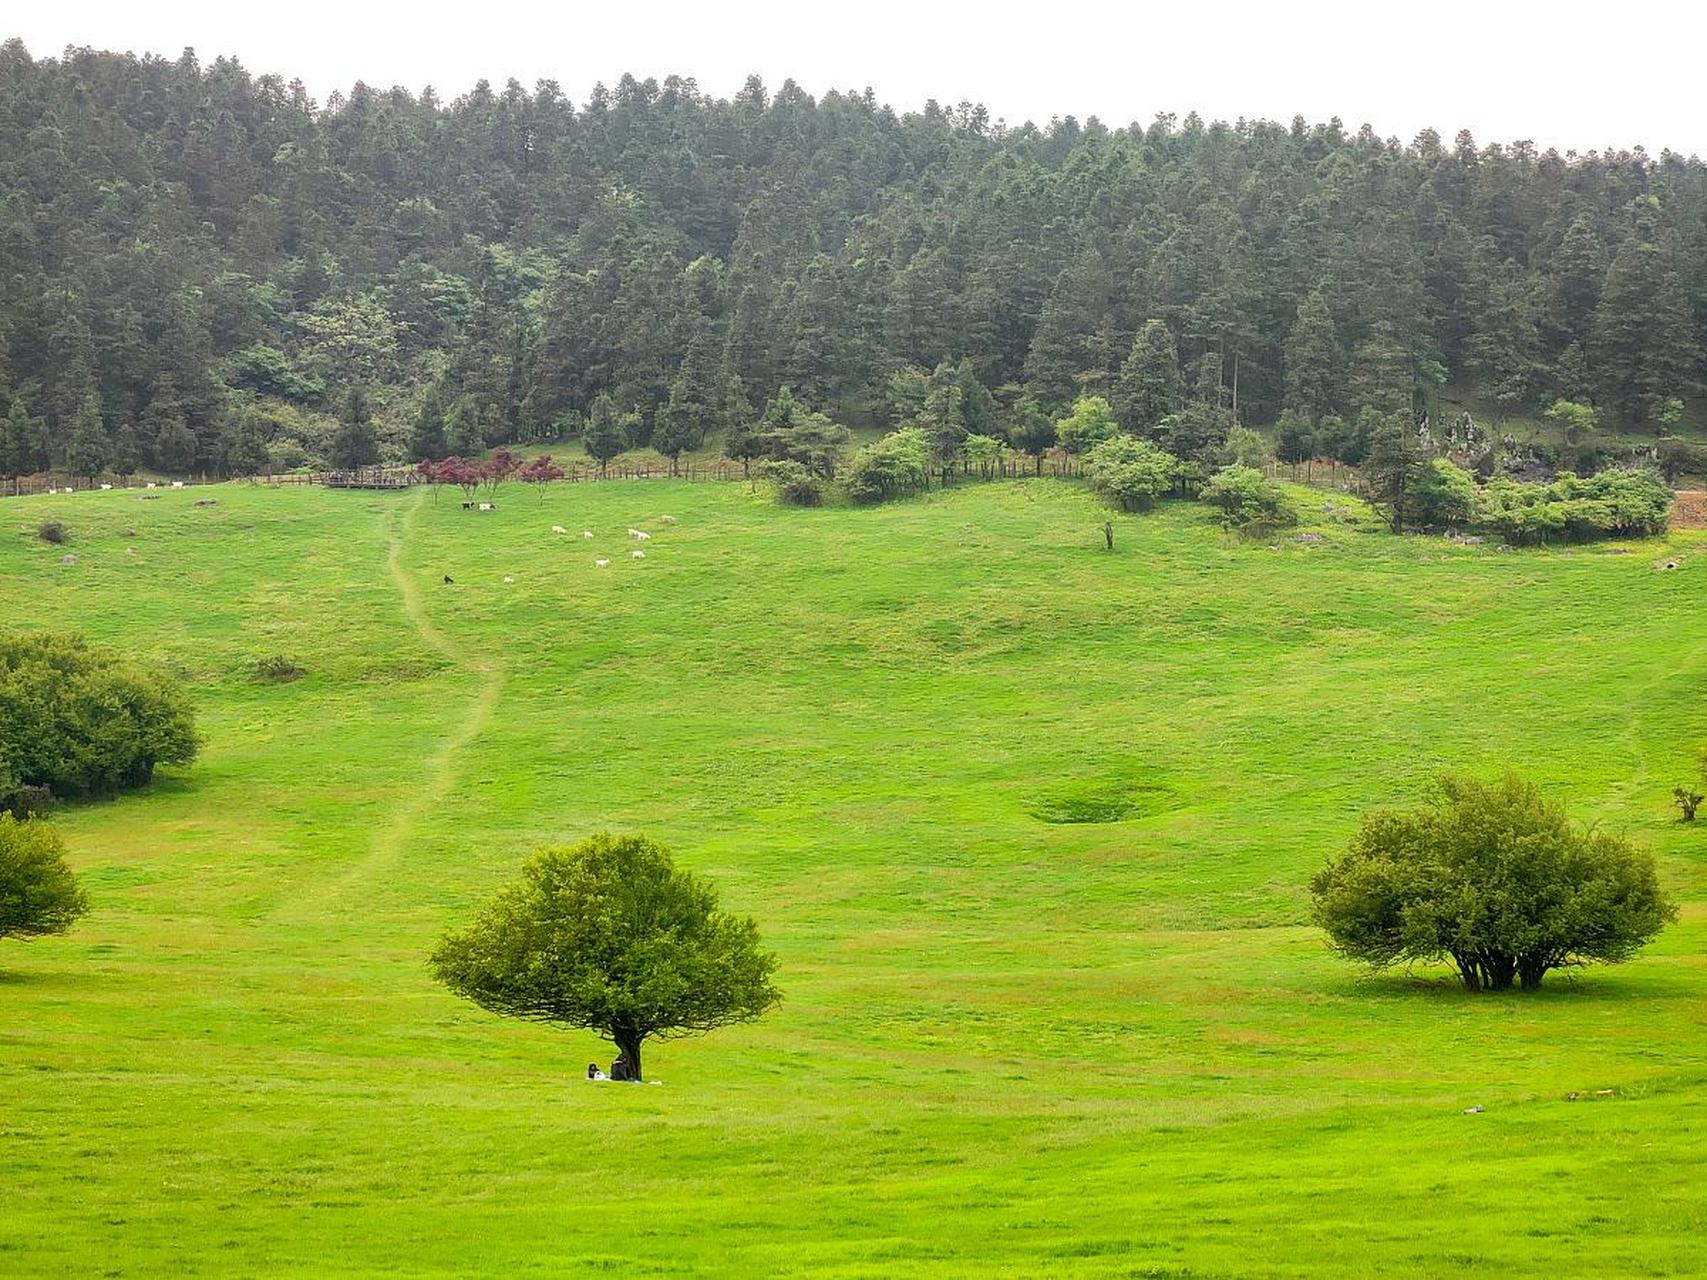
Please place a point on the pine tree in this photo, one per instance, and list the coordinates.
(1641, 343)
(23, 444)
(355, 444)
(464, 437)
(90, 448)
(693, 410)
(427, 440)
(1148, 389)
(606, 432)
(1315, 366)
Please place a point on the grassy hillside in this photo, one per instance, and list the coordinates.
(1009, 1042)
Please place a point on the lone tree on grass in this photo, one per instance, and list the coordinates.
(1687, 798)
(612, 936)
(1494, 877)
(38, 894)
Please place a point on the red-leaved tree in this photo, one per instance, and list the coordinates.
(462, 473)
(540, 473)
(497, 469)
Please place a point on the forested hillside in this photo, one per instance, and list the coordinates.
(201, 269)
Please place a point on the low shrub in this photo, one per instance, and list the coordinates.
(794, 484)
(278, 669)
(1247, 501)
(53, 531)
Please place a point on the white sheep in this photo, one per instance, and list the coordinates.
(634, 533)
(508, 580)
(177, 484)
(557, 528)
(587, 533)
(666, 519)
(603, 562)
(149, 485)
(485, 506)
(638, 555)
(105, 488)
(640, 535)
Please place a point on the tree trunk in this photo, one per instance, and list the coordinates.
(1530, 972)
(628, 1045)
(1499, 972)
(1467, 971)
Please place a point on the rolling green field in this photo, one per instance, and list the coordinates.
(1010, 1042)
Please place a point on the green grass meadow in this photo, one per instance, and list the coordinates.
(1028, 823)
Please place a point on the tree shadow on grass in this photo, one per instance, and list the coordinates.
(1444, 987)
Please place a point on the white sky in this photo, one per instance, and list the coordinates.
(1566, 74)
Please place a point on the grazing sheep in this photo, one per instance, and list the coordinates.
(586, 533)
(666, 519)
(603, 562)
(508, 580)
(177, 484)
(105, 488)
(640, 535)
(638, 555)
(486, 506)
(149, 484)
(557, 528)
(634, 533)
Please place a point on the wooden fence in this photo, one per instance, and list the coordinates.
(1012, 467)
(1321, 473)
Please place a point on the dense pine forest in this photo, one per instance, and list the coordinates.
(201, 269)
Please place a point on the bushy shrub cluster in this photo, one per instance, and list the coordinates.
(38, 893)
(796, 485)
(893, 467)
(1618, 503)
(81, 721)
(1130, 473)
(1248, 501)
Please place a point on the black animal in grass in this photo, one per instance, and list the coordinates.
(449, 580)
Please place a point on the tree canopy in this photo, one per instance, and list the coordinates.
(38, 893)
(78, 720)
(1494, 877)
(610, 935)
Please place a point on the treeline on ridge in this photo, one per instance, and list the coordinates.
(205, 270)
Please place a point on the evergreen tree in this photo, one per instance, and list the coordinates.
(606, 432)
(695, 406)
(23, 446)
(355, 444)
(90, 448)
(464, 436)
(427, 440)
(1315, 366)
(1149, 388)
(1641, 341)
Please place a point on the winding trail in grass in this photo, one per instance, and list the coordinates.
(441, 773)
